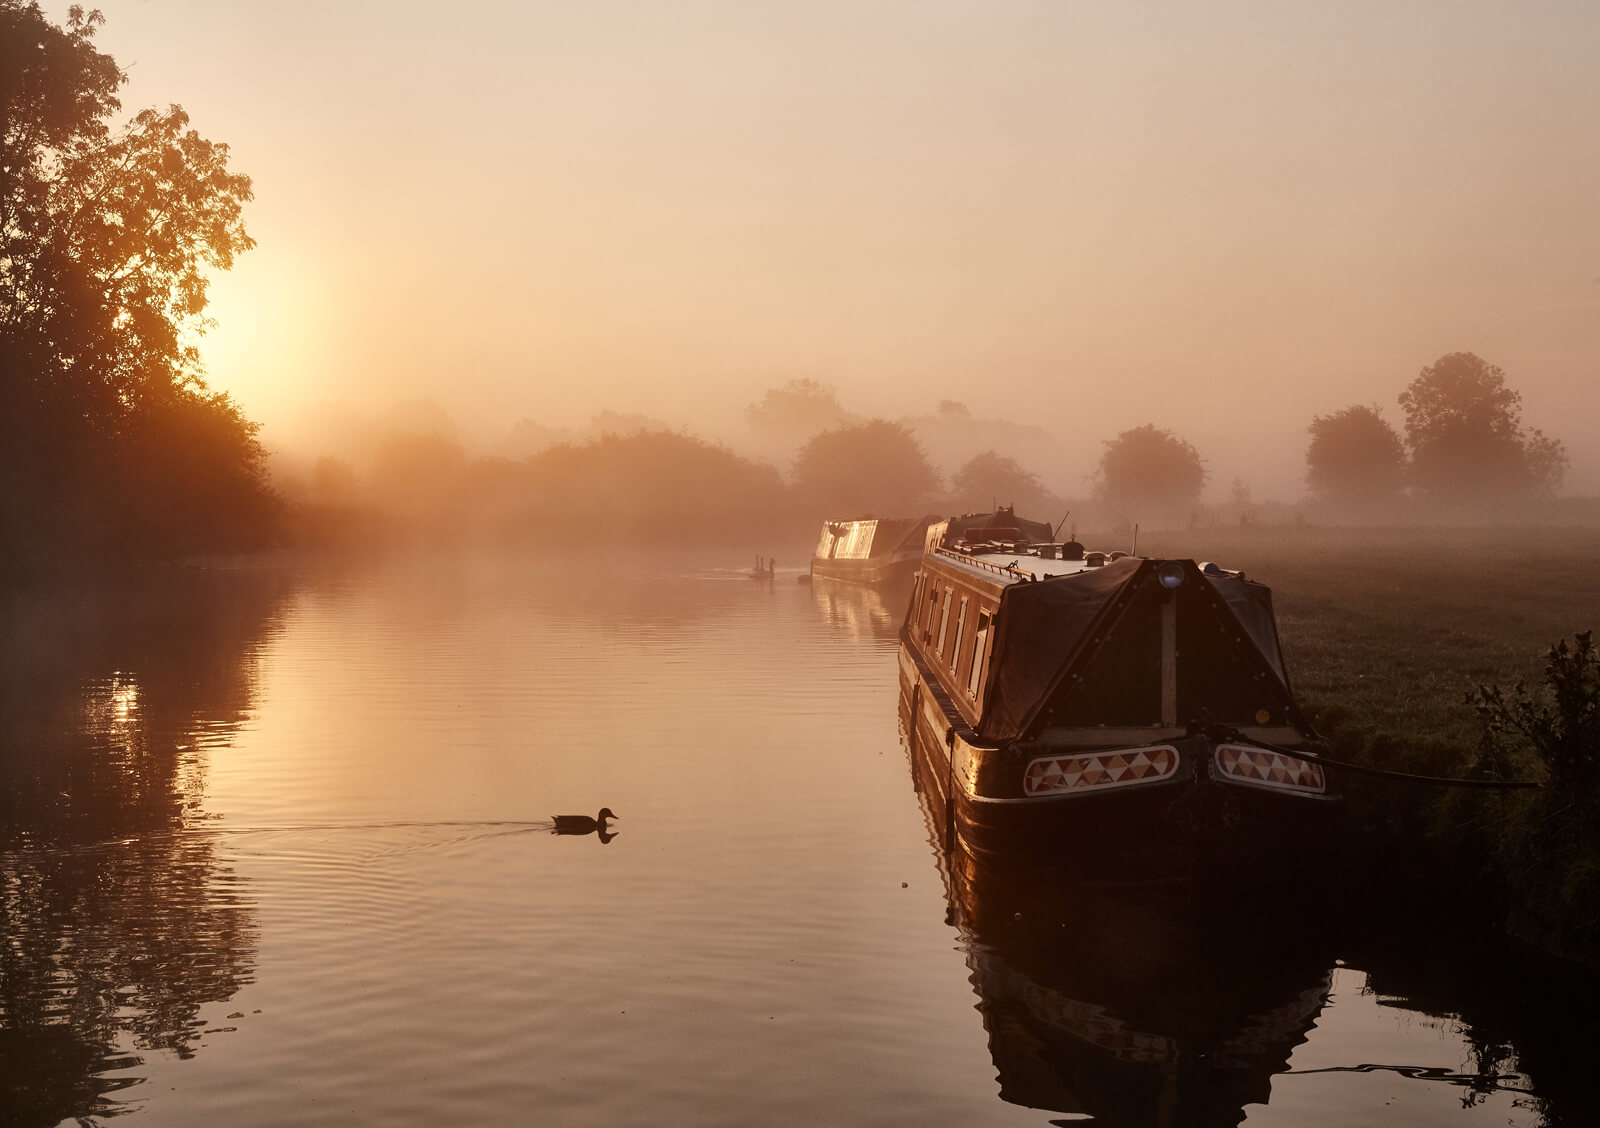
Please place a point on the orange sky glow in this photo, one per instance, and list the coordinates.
(1220, 218)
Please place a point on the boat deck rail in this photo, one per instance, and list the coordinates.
(1003, 569)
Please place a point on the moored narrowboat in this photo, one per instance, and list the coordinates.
(1121, 708)
(870, 550)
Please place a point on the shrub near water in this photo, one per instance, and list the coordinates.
(1549, 845)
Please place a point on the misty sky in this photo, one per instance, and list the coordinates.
(1220, 218)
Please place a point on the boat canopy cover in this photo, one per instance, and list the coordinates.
(1251, 604)
(1043, 626)
(898, 532)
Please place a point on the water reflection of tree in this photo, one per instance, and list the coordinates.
(1531, 1023)
(121, 918)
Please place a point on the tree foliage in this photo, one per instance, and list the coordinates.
(800, 406)
(660, 483)
(1464, 428)
(1561, 723)
(106, 236)
(988, 478)
(874, 467)
(1549, 842)
(1355, 457)
(1149, 470)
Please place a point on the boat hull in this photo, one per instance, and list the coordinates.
(893, 568)
(1147, 809)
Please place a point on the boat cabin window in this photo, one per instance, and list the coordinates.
(927, 612)
(944, 621)
(980, 642)
(955, 643)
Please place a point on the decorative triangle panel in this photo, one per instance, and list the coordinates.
(1098, 771)
(1269, 769)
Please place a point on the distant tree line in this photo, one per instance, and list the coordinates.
(1464, 444)
(110, 442)
(1464, 447)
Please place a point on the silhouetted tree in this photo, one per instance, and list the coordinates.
(801, 406)
(105, 240)
(416, 473)
(1354, 457)
(1150, 471)
(875, 467)
(989, 478)
(333, 481)
(1464, 428)
(661, 483)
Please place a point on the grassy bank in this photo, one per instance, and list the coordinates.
(1386, 632)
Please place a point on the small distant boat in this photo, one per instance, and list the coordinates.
(1126, 711)
(870, 550)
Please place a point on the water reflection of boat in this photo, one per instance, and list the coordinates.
(866, 612)
(1139, 1004)
(1128, 712)
(1121, 1005)
(869, 550)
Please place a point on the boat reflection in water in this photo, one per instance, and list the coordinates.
(1156, 1003)
(867, 613)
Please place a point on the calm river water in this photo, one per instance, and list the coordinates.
(275, 849)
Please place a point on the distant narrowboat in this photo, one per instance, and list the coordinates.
(870, 550)
(1120, 708)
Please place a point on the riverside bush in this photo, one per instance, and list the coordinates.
(1549, 841)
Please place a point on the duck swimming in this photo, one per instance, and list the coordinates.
(583, 824)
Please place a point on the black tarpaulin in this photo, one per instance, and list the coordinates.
(1040, 627)
(1251, 604)
(895, 533)
(1044, 627)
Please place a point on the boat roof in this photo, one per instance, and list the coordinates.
(999, 566)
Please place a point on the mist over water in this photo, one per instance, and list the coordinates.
(389, 425)
(286, 858)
